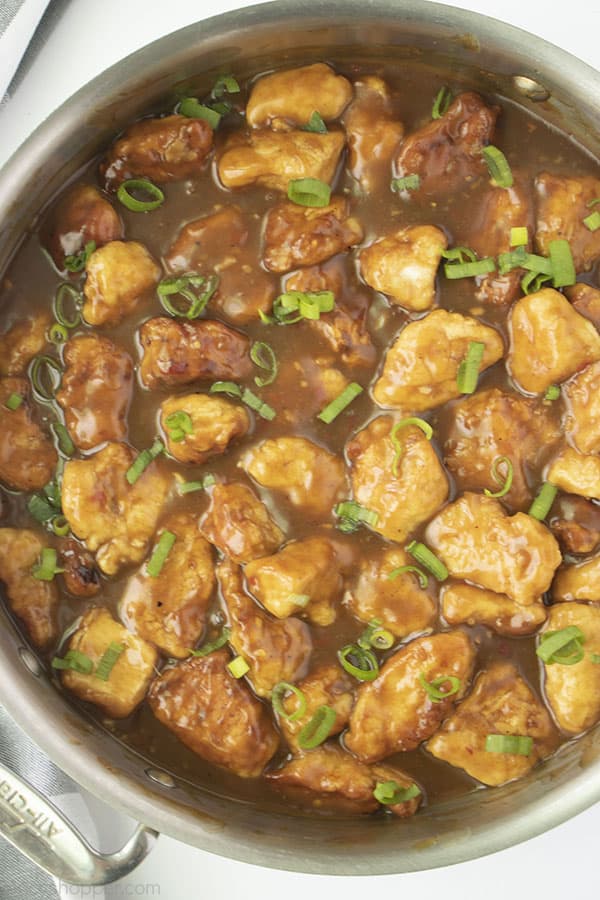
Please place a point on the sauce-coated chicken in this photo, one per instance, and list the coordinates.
(239, 524)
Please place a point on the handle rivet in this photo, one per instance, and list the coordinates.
(161, 777)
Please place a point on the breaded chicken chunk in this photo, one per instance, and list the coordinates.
(477, 540)
(115, 519)
(562, 205)
(81, 215)
(274, 649)
(125, 686)
(373, 132)
(95, 390)
(169, 609)
(549, 341)
(23, 340)
(586, 300)
(401, 480)
(501, 703)
(239, 524)
(582, 424)
(404, 264)
(27, 455)
(212, 424)
(576, 524)
(421, 366)
(327, 685)
(303, 578)
(120, 275)
(465, 604)
(290, 97)
(580, 581)
(575, 472)
(32, 600)
(395, 712)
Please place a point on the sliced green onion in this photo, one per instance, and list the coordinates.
(470, 269)
(309, 305)
(544, 499)
(246, 396)
(309, 192)
(191, 108)
(352, 514)
(211, 646)
(65, 443)
(58, 334)
(14, 402)
(301, 600)
(238, 667)
(553, 392)
(498, 166)
(66, 293)
(592, 222)
(406, 183)
(188, 487)
(144, 186)
(441, 103)
(561, 259)
(263, 356)
(459, 254)
(397, 444)
(375, 636)
(226, 387)
(75, 262)
(359, 662)
(41, 510)
(60, 526)
(181, 287)
(225, 84)
(390, 793)
(179, 424)
(563, 647)
(108, 660)
(468, 371)
(534, 281)
(519, 236)
(160, 554)
(339, 403)
(428, 559)
(595, 658)
(316, 124)
(318, 729)
(75, 660)
(504, 480)
(45, 374)
(277, 696)
(401, 570)
(52, 489)
(434, 688)
(518, 744)
(46, 568)
(143, 460)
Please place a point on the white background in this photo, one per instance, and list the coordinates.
(86, 37)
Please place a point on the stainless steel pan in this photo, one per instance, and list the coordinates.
(553, 84)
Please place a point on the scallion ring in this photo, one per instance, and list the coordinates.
(188, 487)
(309, 192)
(397, 444)
(390, 793)
(441, 103)
(376, 636)
(41, 509)
(67, 294)
(406, 183)
(46, 569)
(278, 695)
(483, 266)
(225, 84)
(160, 554)
(434, 688)
(238, 667)
(402, 570)
(351, 515)
(58, 334)
(315, 124)
(75, 660)
(553, 392)
(504, 480)
(315, 732)
(186, 287)
(263, 356)
(60, 526)
(13, 402)
(468, 371)
(498, 166)
(339, 403)
(45, 374)
(108, 660)
(561, 260)
(143, 460)
(564, 647)
(143, 186)
(191, 108)
(65, 444)
(519, 236)
(428, 559)
(543, 501)
(359, 662)
(179, 425)
(518, 744)
(211, 646)
(533, 282)
(75, 262)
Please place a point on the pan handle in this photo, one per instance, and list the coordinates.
(42, 833)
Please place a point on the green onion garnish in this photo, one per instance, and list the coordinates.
(553, 392)
(518, 744)
(519, 236)
(238, 667)
(468, 371)
(318, 729)
(470, 269)
(60, 526)
(498, 166)
(52, 489)
(263, 356)
(401, 570)
(519, 258)
(595, 658)
(45, 374)
(41, 510)
(179, 424)
(188, 487)
(75, 262)
(396, 443)
(429, 560)
(143, 460)
(506, 480)
(58, 334)
(389, 793)
(316, 124)
(434, 688)
(277, 696)
(108, 660)
(301, 600)
(211, 646)
(143, 186)
(564, 647)
(307, 305)
(75, 660)
(191, 108)
(14, 402)
(592, 222)
(352, 514)
(225, 84)
(181, 286)
(359, 662)
(63, 437)
(46, 568)
(441, 103)
(534, 281)
(161, 551)
(375, 636)
(246, 396)
(561, 259)
(406, 183)
(66, 293)
(309, 192)
(544, 499)
(339, 403)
